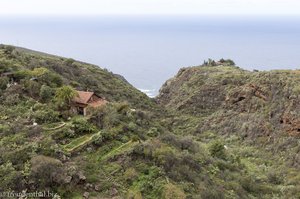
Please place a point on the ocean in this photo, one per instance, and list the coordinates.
(148, 50)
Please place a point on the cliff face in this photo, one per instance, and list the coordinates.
(237, 101)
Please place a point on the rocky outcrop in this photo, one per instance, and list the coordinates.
(232, 100)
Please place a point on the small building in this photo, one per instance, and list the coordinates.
(86, 99)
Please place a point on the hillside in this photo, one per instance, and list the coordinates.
(78, 74)
(213, 132)
(255, 115)
(44, 146)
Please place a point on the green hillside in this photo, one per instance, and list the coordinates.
(80, 75)
(252, 115)
(213, 132)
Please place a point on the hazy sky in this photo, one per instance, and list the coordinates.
(151, 7)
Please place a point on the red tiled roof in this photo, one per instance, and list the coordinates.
(83, 97)
(98, 103)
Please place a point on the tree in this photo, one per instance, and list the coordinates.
(64, 95)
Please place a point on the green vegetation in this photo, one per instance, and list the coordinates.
(64, 96)
(215, 131)
(42, 141)
(248, 121)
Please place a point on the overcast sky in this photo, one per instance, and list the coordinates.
(150, 7)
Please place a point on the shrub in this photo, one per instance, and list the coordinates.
(46, 171)
(10, 178)
(122, 107)
(275, 177)
(82, 126)
(4, 128)
(153, 132)
(52, 79)
(130, 175)
(171, 191)
(18, 157)
(3, 83)
(8, 50)
(69, 61)
(131, 126)
(112, 115)
(22, 74)
(12, 99)
(187, 143)
(134, 195)
(217, 149)
(32, 88)
(44, 116)
(45, 93)
(166, 157)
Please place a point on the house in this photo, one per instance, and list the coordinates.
(86, 99)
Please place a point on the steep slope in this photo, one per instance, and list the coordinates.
(242, 109)
(80, 75)
(270, 98)
(45, 147)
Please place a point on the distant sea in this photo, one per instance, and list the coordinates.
(148, 50)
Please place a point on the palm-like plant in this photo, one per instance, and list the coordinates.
(64, 95)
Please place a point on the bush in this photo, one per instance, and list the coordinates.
(22, 74)
(3, 83)
(82, 126)
(166, 157)
(4, 128)
(275, 177)
(45, 116)
(46, 93)
(112, 115)
(12, 99)
(69, 61)
(46, 171)
(130, 175)
(8, 50)
(171, 191)
(153, 132)
(52, 79)
(217, 149)
(32, 88)
(10, 178)
(185, 143)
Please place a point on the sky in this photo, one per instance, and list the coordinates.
(148, 7)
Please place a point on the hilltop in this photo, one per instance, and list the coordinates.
(214, 131)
